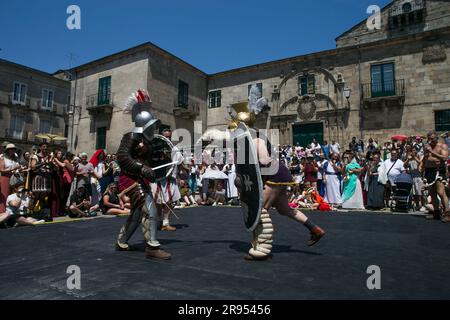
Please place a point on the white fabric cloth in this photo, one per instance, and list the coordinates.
(335, 148)
(214, 174)
(356, 201)
(165, 191)
(178, 157)
(14, 210)
(382, 175)
(9, 164)
(232, 191)
(99, 169)
(396, 170)
(319, 173)
(332, 186)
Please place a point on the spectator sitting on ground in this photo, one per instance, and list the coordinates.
(80, 204)
(17, 205)
(112, 204)
(186, 194)
(219, 194)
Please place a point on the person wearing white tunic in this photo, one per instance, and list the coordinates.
(332, 180)
(232, 191)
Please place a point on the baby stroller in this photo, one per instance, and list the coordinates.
(401, 200)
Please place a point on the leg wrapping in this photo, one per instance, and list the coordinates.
(262, 237)
(129, 228)
(150, 222)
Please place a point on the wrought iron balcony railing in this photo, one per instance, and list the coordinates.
(51, 107)
(100, 100)
(374, 90)
(18, 101)
(406, 7)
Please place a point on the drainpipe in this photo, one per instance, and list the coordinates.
(361, 120)
(73, 113)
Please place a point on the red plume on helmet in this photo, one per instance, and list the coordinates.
(140, 98)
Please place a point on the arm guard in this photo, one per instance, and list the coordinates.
(128, 147)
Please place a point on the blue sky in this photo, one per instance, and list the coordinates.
(213, 35)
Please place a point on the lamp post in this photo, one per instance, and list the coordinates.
(347, 95)
(73, 106)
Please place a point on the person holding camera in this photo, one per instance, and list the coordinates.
(412, 164)
(17, 205)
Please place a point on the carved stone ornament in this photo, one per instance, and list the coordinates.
(434, 53)
(306, 109)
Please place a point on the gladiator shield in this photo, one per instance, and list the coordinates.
(162, 149)
(248, 176)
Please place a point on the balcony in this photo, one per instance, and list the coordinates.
(384, 91)
(407, 7)
(12, 101)
(186, 111)
(100, 104)
(43, 107)
(409, 16)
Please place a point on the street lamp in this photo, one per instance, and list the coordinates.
(71, 76)
(347, 95)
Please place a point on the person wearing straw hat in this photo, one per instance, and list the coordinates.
(9, 164)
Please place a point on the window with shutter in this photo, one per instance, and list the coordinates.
(101, 138)
(104, 91)
(442, 120)
(215, 99)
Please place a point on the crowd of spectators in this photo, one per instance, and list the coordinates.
(326, 177)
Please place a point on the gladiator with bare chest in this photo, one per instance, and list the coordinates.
(436, 155)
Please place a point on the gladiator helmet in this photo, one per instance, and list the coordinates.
(139, 105)
(247, 112)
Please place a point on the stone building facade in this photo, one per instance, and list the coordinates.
(394, 79)
(31, 102)
(101, 89)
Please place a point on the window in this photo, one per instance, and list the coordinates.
(47, 99)
(183, 94)
(442, 120)
(383, 80)
(45, 126)
(407, 7)
(67, 107)
(215, 99)
(307, 84)
(101, 138)
(16, 127)
(260, 88)
(104, 91)
(20, 92)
